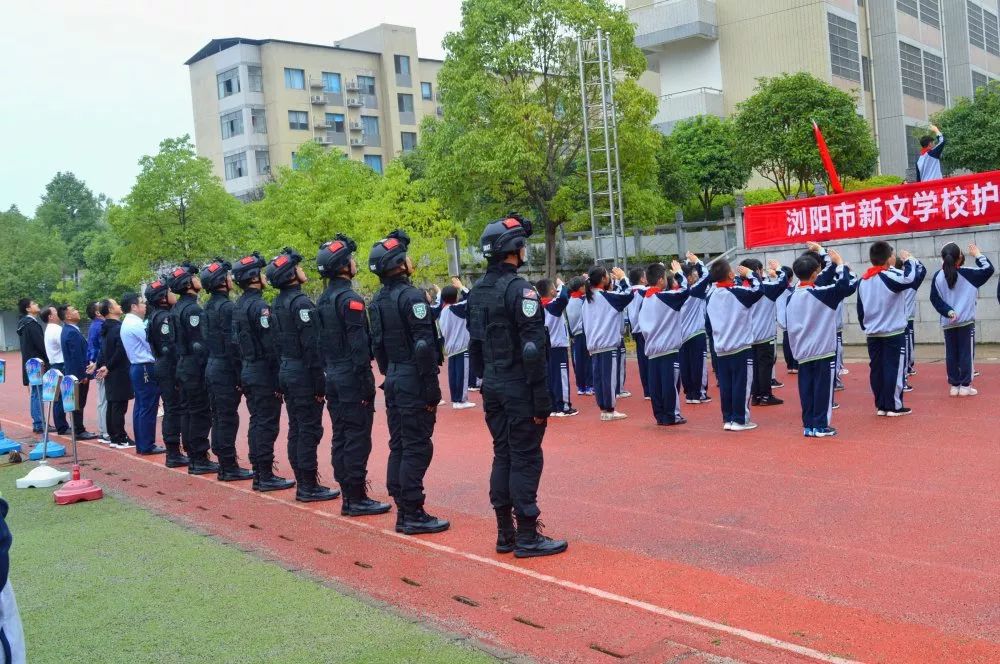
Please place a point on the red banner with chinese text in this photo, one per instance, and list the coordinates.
(949, 203)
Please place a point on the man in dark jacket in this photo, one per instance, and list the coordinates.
(74, 348)
(114, 369)
(32, 345)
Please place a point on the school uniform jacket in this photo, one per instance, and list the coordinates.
(763, 313)
(729, 314)
(574, 313)
(454, 330)
(603, 320)
(881, 304)
(693, 310)
(632, 310)
(962, 298)
(661, 316)
(812, 317)
(555, 321)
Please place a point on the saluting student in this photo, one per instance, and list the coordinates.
(555, 298)
(455, 333)
(694, 348)
(763, 323)
(911, 315)
(582, 370)
(954, 290)
(638, 286)
(603, 321)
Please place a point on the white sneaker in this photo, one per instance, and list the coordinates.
(565, 413)
(743, 427)
(463, 405)
(953, 391)
(442, 402)
(844, 371)
(692, 401)
(880, 413)
(611, 417)
(648, 398)
(624, 395)
(967, 391)
(728, 426)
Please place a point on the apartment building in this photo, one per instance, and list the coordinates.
(256, 101)
(906, 59)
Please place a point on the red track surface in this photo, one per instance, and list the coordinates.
(880, 545)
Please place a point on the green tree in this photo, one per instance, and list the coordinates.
(70, 208)
(972, 127)
(36, 255)
(177, 210)
(775, 131)
(674, 183)
(709, 157)
(511, 136)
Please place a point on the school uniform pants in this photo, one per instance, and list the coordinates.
(620, 385)
(763, 362)
(840, 352)
(694, 367)
(816, 379)
(559, 379)
(665, 387)
(786, 349)
(147, 400)
(959, 345)
(582, 369)
(735, 379)
(458, 377)
(640, 352)
(605, 369)
(887, 366)
(911, 340)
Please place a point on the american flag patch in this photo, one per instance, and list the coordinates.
(530, 293)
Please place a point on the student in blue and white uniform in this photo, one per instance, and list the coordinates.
(763, 329)
(602, 321)
(780, 310)
(882, 316)
(827, 277)
(451, 319)
(694, 347)
(582, 369)
(812, 332)
(729, 314)
(638, 286)
(911, 315)
(954, 290)
(555, 298)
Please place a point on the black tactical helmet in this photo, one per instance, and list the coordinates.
(281, 269)
(214, 274)
(335, 255)
(157, 290)
(389, 252)
(504, 236)
(248, 268)
(181, 276)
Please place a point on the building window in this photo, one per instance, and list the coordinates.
(236, 165)
(369, 125)
(295, 161)
(258, 120)
(295, 79)
(375, 162)
(908, 7)
(229, 82)
(991, 31)
(255, 78)
(405, 103)
(866, 73)
(331, 82)
(844, 53)
(366, 85)
(335, 121)
(930, 13)
(979, 80)
(911, 66)
(934, 78)
(409, 139)
(425, 91)
(298, 120)
(977, 35)
(232, 124)
(263, 158)
(402, 64)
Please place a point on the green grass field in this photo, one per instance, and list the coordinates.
(138, 588)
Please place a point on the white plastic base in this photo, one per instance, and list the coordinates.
(43, 476)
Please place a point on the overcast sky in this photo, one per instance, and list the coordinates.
(89, 86)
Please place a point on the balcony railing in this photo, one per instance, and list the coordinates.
(687, 104)
(667, 21)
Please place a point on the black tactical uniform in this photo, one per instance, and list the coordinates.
(187, 320)
(222, 372)
(404, 343)
(259, 375)
(160, 335)
(509, 347)
(300, 374)
(350, 385)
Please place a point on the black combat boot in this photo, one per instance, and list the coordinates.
(202, 466)
(230, 471)
(357, 503)
(400, 512)
(175, 458)
(533, 544)
(264, 479)
(505, 529)
(418, 522)
(310, 490)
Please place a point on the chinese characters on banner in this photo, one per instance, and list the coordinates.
(967, 200)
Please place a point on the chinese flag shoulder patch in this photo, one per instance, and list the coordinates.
(356, 306)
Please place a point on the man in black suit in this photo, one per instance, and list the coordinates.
(32, 345)
(74, 348)
(114, 370)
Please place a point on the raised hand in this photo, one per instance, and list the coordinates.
(744, 271)
(974, 250)
(836, 257)
(675, 266)
(457, 283)
(773, 265)
(905, 255)
(814, 246)
(692, 258)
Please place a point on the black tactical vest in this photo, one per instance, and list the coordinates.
(286, 325)
(389, 329)
(490, 323)
(182, 338)
(246, 326)
(160, 335)
(332, 335)
(215, 333)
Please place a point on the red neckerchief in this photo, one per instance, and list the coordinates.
(546, 300)
(724, 284)
(577, 295)
(806, 284)
(924, 151)
(873, 270)
(651, 291)
(746, 283)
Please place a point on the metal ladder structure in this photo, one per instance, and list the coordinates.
(600, 131)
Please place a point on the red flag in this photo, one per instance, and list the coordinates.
(824, 152)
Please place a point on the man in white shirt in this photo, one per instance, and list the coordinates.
(147, 392)
(53, 350)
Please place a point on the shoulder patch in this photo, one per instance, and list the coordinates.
(530, 293)
(356, 306)
(265, 320)
(304, 315)
(194, 320)
(420, 310)
(165, 328)
(529, 307)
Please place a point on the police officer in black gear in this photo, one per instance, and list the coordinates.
(300, 373)
(160, 334)
(259, 375)
(350, 385)
(187, 320)
(509, 348)
(404, 343)
(222, 371)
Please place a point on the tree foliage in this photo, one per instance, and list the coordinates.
(775, 131)
(70, 209)
(709, 158)
(511, 136)
(33, 267)
(972, 128)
